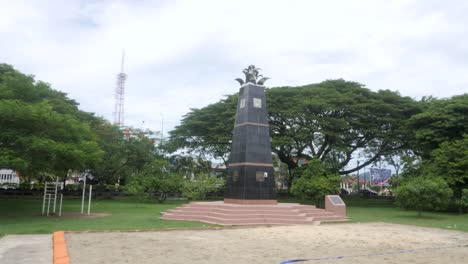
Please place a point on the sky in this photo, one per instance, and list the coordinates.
(186, 54)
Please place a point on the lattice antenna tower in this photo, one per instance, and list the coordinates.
(120, 95)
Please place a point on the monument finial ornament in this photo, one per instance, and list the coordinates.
(252, 76)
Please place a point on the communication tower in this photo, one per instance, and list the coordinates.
(120, 95)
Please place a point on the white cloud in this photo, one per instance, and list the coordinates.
(183, 54)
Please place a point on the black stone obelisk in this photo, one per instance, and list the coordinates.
(250, 173)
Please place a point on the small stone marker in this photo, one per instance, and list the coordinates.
(336, 200)
(334, 204)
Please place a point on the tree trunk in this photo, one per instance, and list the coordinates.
(289, 180)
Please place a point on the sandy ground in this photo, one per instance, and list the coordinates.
(334, 243)
(16, 249)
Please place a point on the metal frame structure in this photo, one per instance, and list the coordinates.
(51, 190)
(120, 95)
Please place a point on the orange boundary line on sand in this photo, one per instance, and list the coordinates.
(59, 247)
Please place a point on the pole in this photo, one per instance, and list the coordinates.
(84, 192)
(48, 205)
(55, 195)
(44, 200)
(60, 209)
(89, 201)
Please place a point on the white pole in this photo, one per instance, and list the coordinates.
(43, 202)
(60, 209)
(48, 205)
(84, 189)
(55, 195)
(89, 201)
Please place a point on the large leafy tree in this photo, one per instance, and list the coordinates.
(450, 162)
(330, 121)
(125, 153)
(41, 130)
(206, 131)
(442, 120)
(334, 120)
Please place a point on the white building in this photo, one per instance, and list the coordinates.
(8, 176)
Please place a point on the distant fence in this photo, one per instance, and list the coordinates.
(77, 193)
(12, 193)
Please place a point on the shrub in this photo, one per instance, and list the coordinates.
(154, 178)
(424, 193)
(462, 202)
(315, 182)
(198, 189)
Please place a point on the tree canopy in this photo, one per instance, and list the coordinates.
(41, 130)
(330, 121)
(442, 120)
(43, 133)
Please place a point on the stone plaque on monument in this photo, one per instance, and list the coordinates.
(336, 200)
(335, 205)
(250, 174)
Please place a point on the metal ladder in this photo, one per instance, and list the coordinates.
(50, 193)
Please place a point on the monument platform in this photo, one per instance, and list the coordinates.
(222, 213)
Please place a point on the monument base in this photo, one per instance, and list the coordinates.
(250, 202)
(223, 213)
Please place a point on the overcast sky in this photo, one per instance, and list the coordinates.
(185, 54)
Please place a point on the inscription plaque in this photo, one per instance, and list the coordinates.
(242, 103)
(260, 176)
(257, 103)
(336, 200)
(235, 176)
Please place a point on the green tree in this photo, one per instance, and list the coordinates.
(333, 120)
(329, 121)
(441, 121)
(42, 132)
(462, 202)
(315, 182)
(155, 179)
(198, 188)
(450, 161)
(34, 139)
(124, 155)
(206, 131)
(423, 193)
(189, 166)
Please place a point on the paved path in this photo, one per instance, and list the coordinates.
(16, 249)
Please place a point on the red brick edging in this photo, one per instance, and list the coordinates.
(59, 247)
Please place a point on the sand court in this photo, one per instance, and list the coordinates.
(332, 243)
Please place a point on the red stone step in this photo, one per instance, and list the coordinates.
(253, 221)
(225, 211)
(241, 216)
(235, 214)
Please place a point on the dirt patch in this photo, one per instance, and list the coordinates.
(340, 243)
(78, 215)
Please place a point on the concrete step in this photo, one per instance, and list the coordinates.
(234, 214)
(276, 209)
(280, 206)
(253, 221)
(226, 211)
(240, 216)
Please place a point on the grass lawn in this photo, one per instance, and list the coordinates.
(23, 216)
(370, 210)
(364, 210)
